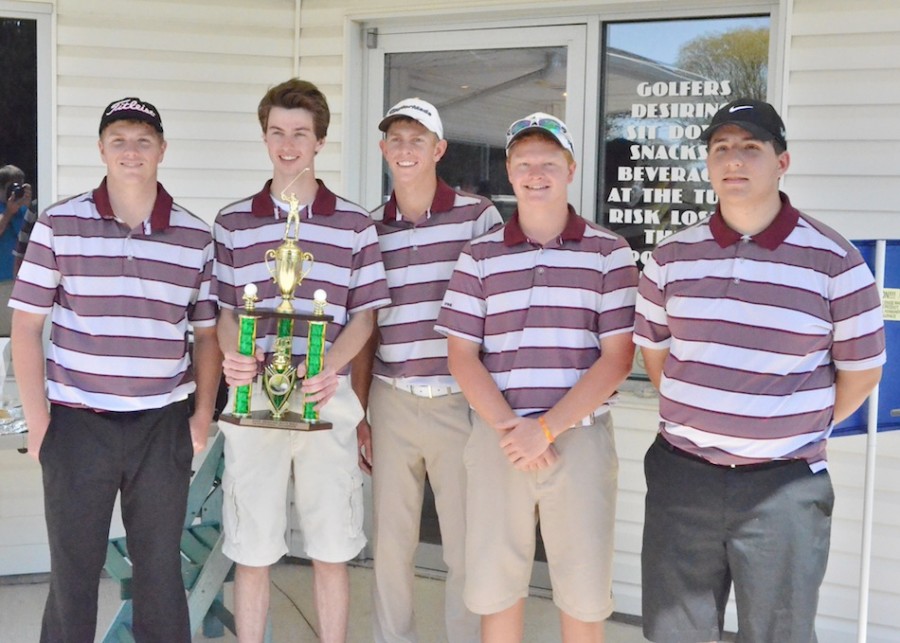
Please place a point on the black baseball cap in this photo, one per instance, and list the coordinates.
(131, 109)
(757, 117)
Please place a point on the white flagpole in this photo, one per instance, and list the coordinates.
(865, 564)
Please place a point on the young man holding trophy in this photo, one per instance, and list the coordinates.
(290, 240)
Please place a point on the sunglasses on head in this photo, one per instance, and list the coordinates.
(550, 124)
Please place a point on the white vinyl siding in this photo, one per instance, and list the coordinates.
(843, 122)
(205, 65)
(843, 114)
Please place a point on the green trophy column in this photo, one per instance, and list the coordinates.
(284, 343)
(246, 346)
(315, 350)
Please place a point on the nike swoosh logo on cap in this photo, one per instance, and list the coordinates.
(731, 110)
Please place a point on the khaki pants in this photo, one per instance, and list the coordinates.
(411, 436)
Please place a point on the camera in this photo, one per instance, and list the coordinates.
(15, 190)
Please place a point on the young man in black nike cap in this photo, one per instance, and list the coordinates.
(761, 327)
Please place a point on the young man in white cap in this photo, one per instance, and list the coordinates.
(419, 417)
(761, 327)
(539, 316)
(294, 117)
(122, 271)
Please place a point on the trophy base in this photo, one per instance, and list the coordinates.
(290, 421)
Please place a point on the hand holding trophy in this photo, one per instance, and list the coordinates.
(288, 265)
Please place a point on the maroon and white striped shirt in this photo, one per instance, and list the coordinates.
(540, 313)
(755, 328)
(347, 261)
(419, 259)
(119, 299)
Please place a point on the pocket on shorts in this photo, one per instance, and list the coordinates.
(355, 504)
(231, 514)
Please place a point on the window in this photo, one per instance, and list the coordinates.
(18, 95)
(25, 104)
(478, 93)
(662, 81)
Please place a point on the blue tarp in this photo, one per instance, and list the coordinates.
(889, 389)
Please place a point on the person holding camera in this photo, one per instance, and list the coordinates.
(13, 211)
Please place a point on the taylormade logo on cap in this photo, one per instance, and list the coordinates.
(418, 110)
(408, 106)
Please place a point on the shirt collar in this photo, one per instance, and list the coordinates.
(324, 204)
(770, 238)
(444, 198)
(574, 231)
(159, 216)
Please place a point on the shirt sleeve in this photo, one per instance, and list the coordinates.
(39, 276)
(203, 311)
(25, 233)
(651, 325)
(222, 285)
(464, 307)
(857, 317)
(368, 287)
(619, 290)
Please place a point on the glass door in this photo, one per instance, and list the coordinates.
(480, 81)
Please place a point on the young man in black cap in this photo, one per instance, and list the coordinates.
(761, 327)
(122, 271)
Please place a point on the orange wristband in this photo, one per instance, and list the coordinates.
(546, 429)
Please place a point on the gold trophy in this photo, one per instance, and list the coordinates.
(288, 265)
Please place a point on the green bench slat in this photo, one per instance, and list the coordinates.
(198, 541)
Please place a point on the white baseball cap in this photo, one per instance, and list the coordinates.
(418, 110)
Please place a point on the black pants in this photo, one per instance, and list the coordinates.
(87, 458)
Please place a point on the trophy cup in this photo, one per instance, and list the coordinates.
(288, 265)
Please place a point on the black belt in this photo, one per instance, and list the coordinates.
(687, 455)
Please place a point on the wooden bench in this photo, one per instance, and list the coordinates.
(204, 567)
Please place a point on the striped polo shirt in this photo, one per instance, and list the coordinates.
(419, 259)
(540, 312)
(346, 261)
(119, 299)
(755, 328)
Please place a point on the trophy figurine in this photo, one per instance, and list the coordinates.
(288, 265)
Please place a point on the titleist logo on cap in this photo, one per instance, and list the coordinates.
(130, 104)
(131, 108)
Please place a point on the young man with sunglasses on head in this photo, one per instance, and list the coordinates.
(122, 271)
(420, 419)
(539, 316)
(761, 327)
(294, 117)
